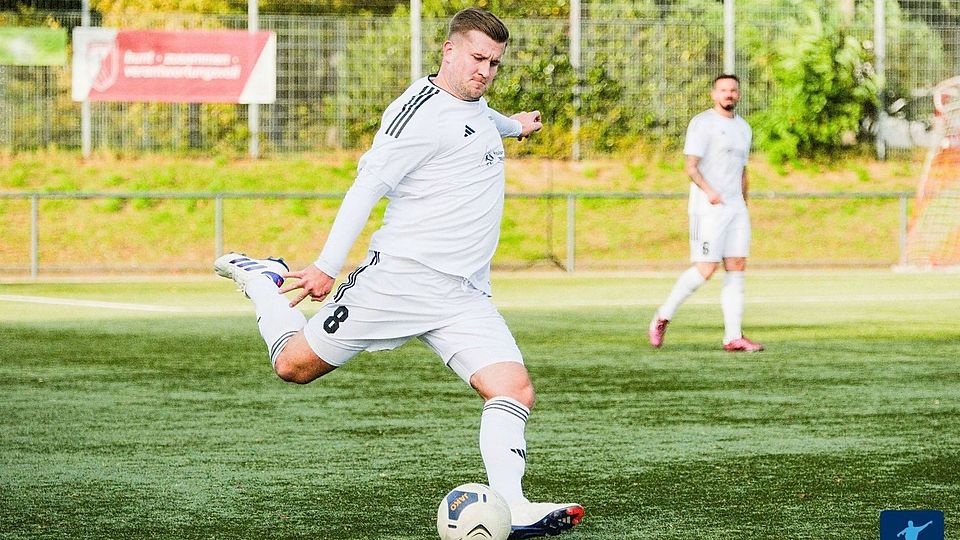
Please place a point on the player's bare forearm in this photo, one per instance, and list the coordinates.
(745, 185)
(311, 281)
(530, 122)
(692, 168)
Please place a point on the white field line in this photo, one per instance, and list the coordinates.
(119, 305)
(715, 299)
(518, 304)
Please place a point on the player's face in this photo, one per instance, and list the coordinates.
(726, 94)
(470, 63)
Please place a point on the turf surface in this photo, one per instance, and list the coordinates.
(148, 410)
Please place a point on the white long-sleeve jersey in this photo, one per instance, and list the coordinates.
(440, 162)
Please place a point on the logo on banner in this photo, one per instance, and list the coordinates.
(911, 525)
(103, 61)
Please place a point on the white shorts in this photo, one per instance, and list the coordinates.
(389, 300)
(719, 235)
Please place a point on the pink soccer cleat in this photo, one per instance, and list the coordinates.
(658, 327)
(742, 344)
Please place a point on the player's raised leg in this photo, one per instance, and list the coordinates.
(260, 280)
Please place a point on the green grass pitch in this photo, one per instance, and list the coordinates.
(147, 409)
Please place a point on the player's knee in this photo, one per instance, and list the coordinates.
(298, 370)
(291, 371)
(735, 264)
(521, 394)
(298, 363)
(707, 269)
(506, 380)
(520, 390)
(526, 395)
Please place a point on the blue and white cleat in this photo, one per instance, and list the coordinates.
(534, 520)
(241, 269)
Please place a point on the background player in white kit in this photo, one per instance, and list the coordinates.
(717, 148)
(438, 157)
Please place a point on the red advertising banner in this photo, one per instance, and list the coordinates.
(228, 66)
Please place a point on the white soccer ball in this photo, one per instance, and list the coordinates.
(473, 511)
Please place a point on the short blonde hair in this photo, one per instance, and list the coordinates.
(481, 21)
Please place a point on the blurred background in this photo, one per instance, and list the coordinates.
(840, 95)
(608, 75)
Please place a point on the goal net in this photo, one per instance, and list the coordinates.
(933, 239)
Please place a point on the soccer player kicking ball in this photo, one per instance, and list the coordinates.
(438, 157)
(717, 148)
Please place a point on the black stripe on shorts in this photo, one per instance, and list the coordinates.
(352, 278)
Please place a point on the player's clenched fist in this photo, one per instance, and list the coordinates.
(530, 122)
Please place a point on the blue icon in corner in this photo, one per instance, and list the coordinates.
(911, 525)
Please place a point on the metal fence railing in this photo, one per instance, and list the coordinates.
(72, 232)
(648, 63)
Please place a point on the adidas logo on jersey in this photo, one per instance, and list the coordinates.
(468, 131)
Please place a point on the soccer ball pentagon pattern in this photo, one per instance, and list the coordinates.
(473, 511)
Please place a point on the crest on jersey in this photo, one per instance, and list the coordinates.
(493, 157)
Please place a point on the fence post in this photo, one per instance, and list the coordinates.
(903, 229)
(218, 220)
(575, 63)
(571, 232)
(343, 84)
(86, 136)
(34, 236)
(729, 37)
(253, 109)
(416, 40)
(879, 60)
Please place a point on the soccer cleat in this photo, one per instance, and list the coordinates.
(241, 269)
(742, 344)
(533, 520)
(658, 327)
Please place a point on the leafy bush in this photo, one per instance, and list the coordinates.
(822, 91)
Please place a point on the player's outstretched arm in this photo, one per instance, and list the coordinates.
(520, 125)
(530, 122)
(316, 280)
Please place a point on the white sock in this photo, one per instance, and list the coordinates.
(686, 284)
(278, 321)
(503, 447)
(731, 300)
